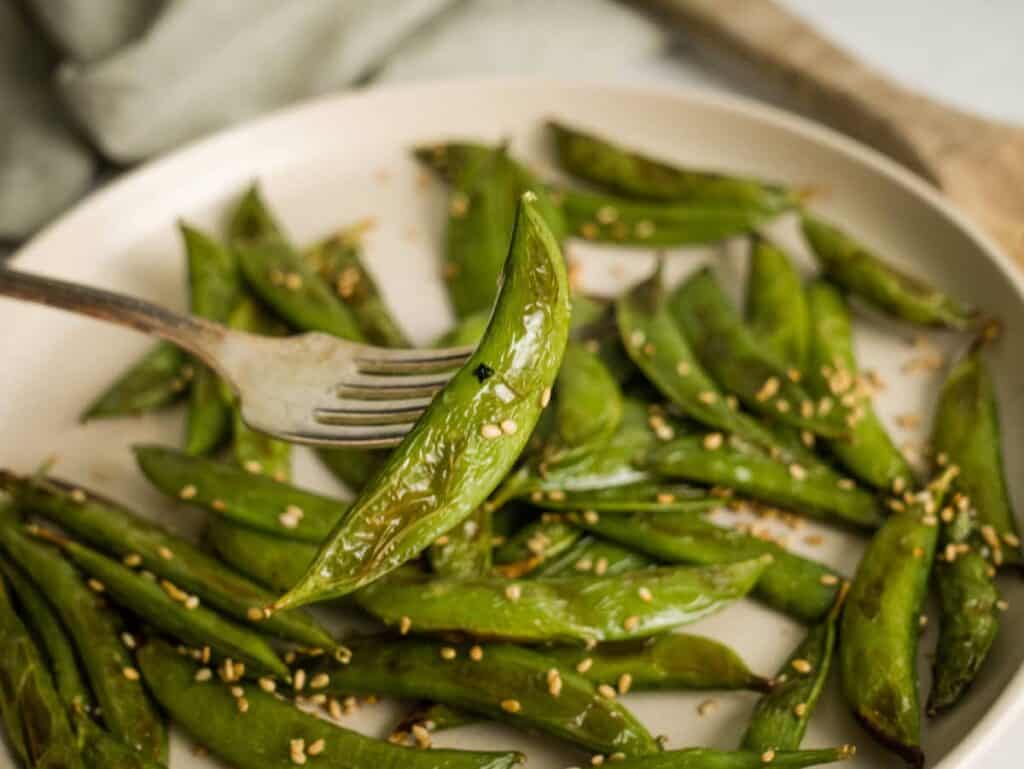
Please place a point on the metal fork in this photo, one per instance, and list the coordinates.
(311, 388)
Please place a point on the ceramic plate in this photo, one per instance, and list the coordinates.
(331, 162)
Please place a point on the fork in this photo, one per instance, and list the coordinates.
(312, 388)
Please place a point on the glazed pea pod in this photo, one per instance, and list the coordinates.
(464, 551)
(881, 625)
(706, 758)
(100, 750)
(591, 555)
(669, 661)
(508, 683)
(170, 609)
(34, 717)
(95, 629)
(640, 497)
(777, 311)
(469, 436)
(814, 489)
(780, 718)
(569, 609)
(967, 433)
(214, 288)
(271, 561)
(537, 542)
(273, 734)
(336, 259)
(868, 452)
(433, 717)
(735, 358)
(158, 379)
(635, 175)
(113, 528)
(250, 499)
(864, 274)
(798, 586)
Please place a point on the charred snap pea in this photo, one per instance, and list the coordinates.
(35, 720)
(534, 544)
(604, 163)
(469, 436)
(967, 435)
(736, 359)
(577, 608)
(114, 529)
(880, 625)
(813, 488)
(505, 682)
(777, 309)
(706, 758)
(780, 717)
(792, 584)
(669, 661)
(868, 452)
(170, 609)
(246, 497)
(269, 560)
(159, 378)
(864, 274)
(95, 629)
(591, 555)
(464, 551)
(260, 731)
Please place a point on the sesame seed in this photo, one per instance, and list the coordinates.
(254, 614)
(829, 579)
(707, 707)
(297, 749)
(631, 623)
(128, 640)
(293, 281)
(797, 471)
(1002, 604)
(707, 397)
(922, 621)
(513, 592)
(132, 560)
(545, 397)
(768, 756)
(917, 552)
(319, 681)
(188, 492)
(591, 516)
(476, 653)
(846, 484)
(782, 406)
(649, 349)
(584, 564)
(683, 368)
(316, 747)
(130, 673)
(625, 682)
(237, 691)
(448, 653)
(617, 756)
(713, 441)
(334, 709)
(597, 760)
(554, 682)
(584, 665)
(219, 505)
(165, 553)
(601, 566)
(665, 498)
(490, 431)
(768, 389)
(606, 691)
(556, 495)
(807, 438)
(800, 709)
(299, 680)
(509, 426)
(644, 228)
(511, 706)
(801, 666)
(645, 594)
(253, 466)
(443, 540)
(96, 585)
(929, 520)
(192, 602)
(268, 684)
(203, 674)
(404, 625)
(606, 214)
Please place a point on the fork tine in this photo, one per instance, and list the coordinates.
(362, 437)
(370, 387)
(376, 412)
(417, 361)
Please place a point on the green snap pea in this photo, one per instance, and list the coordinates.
(706, 758)
(596, 556)
(534, 544)
(466, 331)
(777, 311)
(600, 336)
(157, 379)
(635, 175)
(464, 551)
(272, 733)
(469, 436)
(641, 497)
(881, 625)
(967, 435)
(487, 680)
(95, 629)
(864, 274)
(968, 611)
(252, 218)
(736, 359)
(168, 608)
(868, 452)
(113, 528)
(604, 218)
(271, 561)
(814, 489)
(434, 717)
(780, 718)
(577, 608)
(353, 467)
(233, 492)
(100, 750)
(669, 661)
(795, 585)
(214, 288)
(35, 719)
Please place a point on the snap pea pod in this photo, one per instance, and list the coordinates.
(470, 434)
(857, 269)
(600, 336)
(968, 611)
(735, 358)
(95, 629)
(250, 499)
(465, 550)
(669, 661)
(353, 467)
(271, 561)
(706, 758)
(214, 288)
(113, 528)
(777, 311)
(33, 714)
(534, 544)
(467, 330)
(881, 625)
(336, 259)
(273, 734)
(635, 175)
(967, 433)
(434, 717)
(157, 379)
(868, 452)
(169, 609)
(577, 608)
(814, 489)
(604, 218)
(252, 218)
(780, 718)
(644, 496)
(594, 555)
(795, 585)
(485, 680)
(100, 750)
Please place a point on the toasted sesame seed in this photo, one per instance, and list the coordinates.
(297, 749)
(606, 691)
(513, 592)
(625, 682)
(922, 621)
(644, 228)
(1002, 604)
(188, 492)
(801, 666)
(319, 681)
(645, 594)
(829, 579)
(299, 680)
(293, 281)
(334, 709)
(554, 682)
(128, 640)
(808, 438)
(448, 653)
(509, 426)
(476, 653)
(95, 585)
(511, 706)
(404, 624)
(165, 553)
(665, 498)
(617, 756)
(584, 564)
(591, 516)
(556, 495)
(253, 466)
(707, 707)
(713, 441)
(631, 623)
(683, 368)
(782, 406)
(191, 602)
(768, 756)
(219, 505)
(254, 614)
(203, 674)
(601, 566)
(649, 349)
(267, 684)
(846, 484)
(490, 431)
(132, 560)
(929, 520)
(768, 389)
(237, 691)
(316, 747)
(584, 665)
(800, 709)
(707, 397)
(130, 673)
(596, 760)
(917, 552)
(443, 540)
(797, 472)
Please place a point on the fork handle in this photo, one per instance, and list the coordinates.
(196, 335)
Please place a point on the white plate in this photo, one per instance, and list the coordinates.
(330, 162)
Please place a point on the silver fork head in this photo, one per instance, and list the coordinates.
(318, 389)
